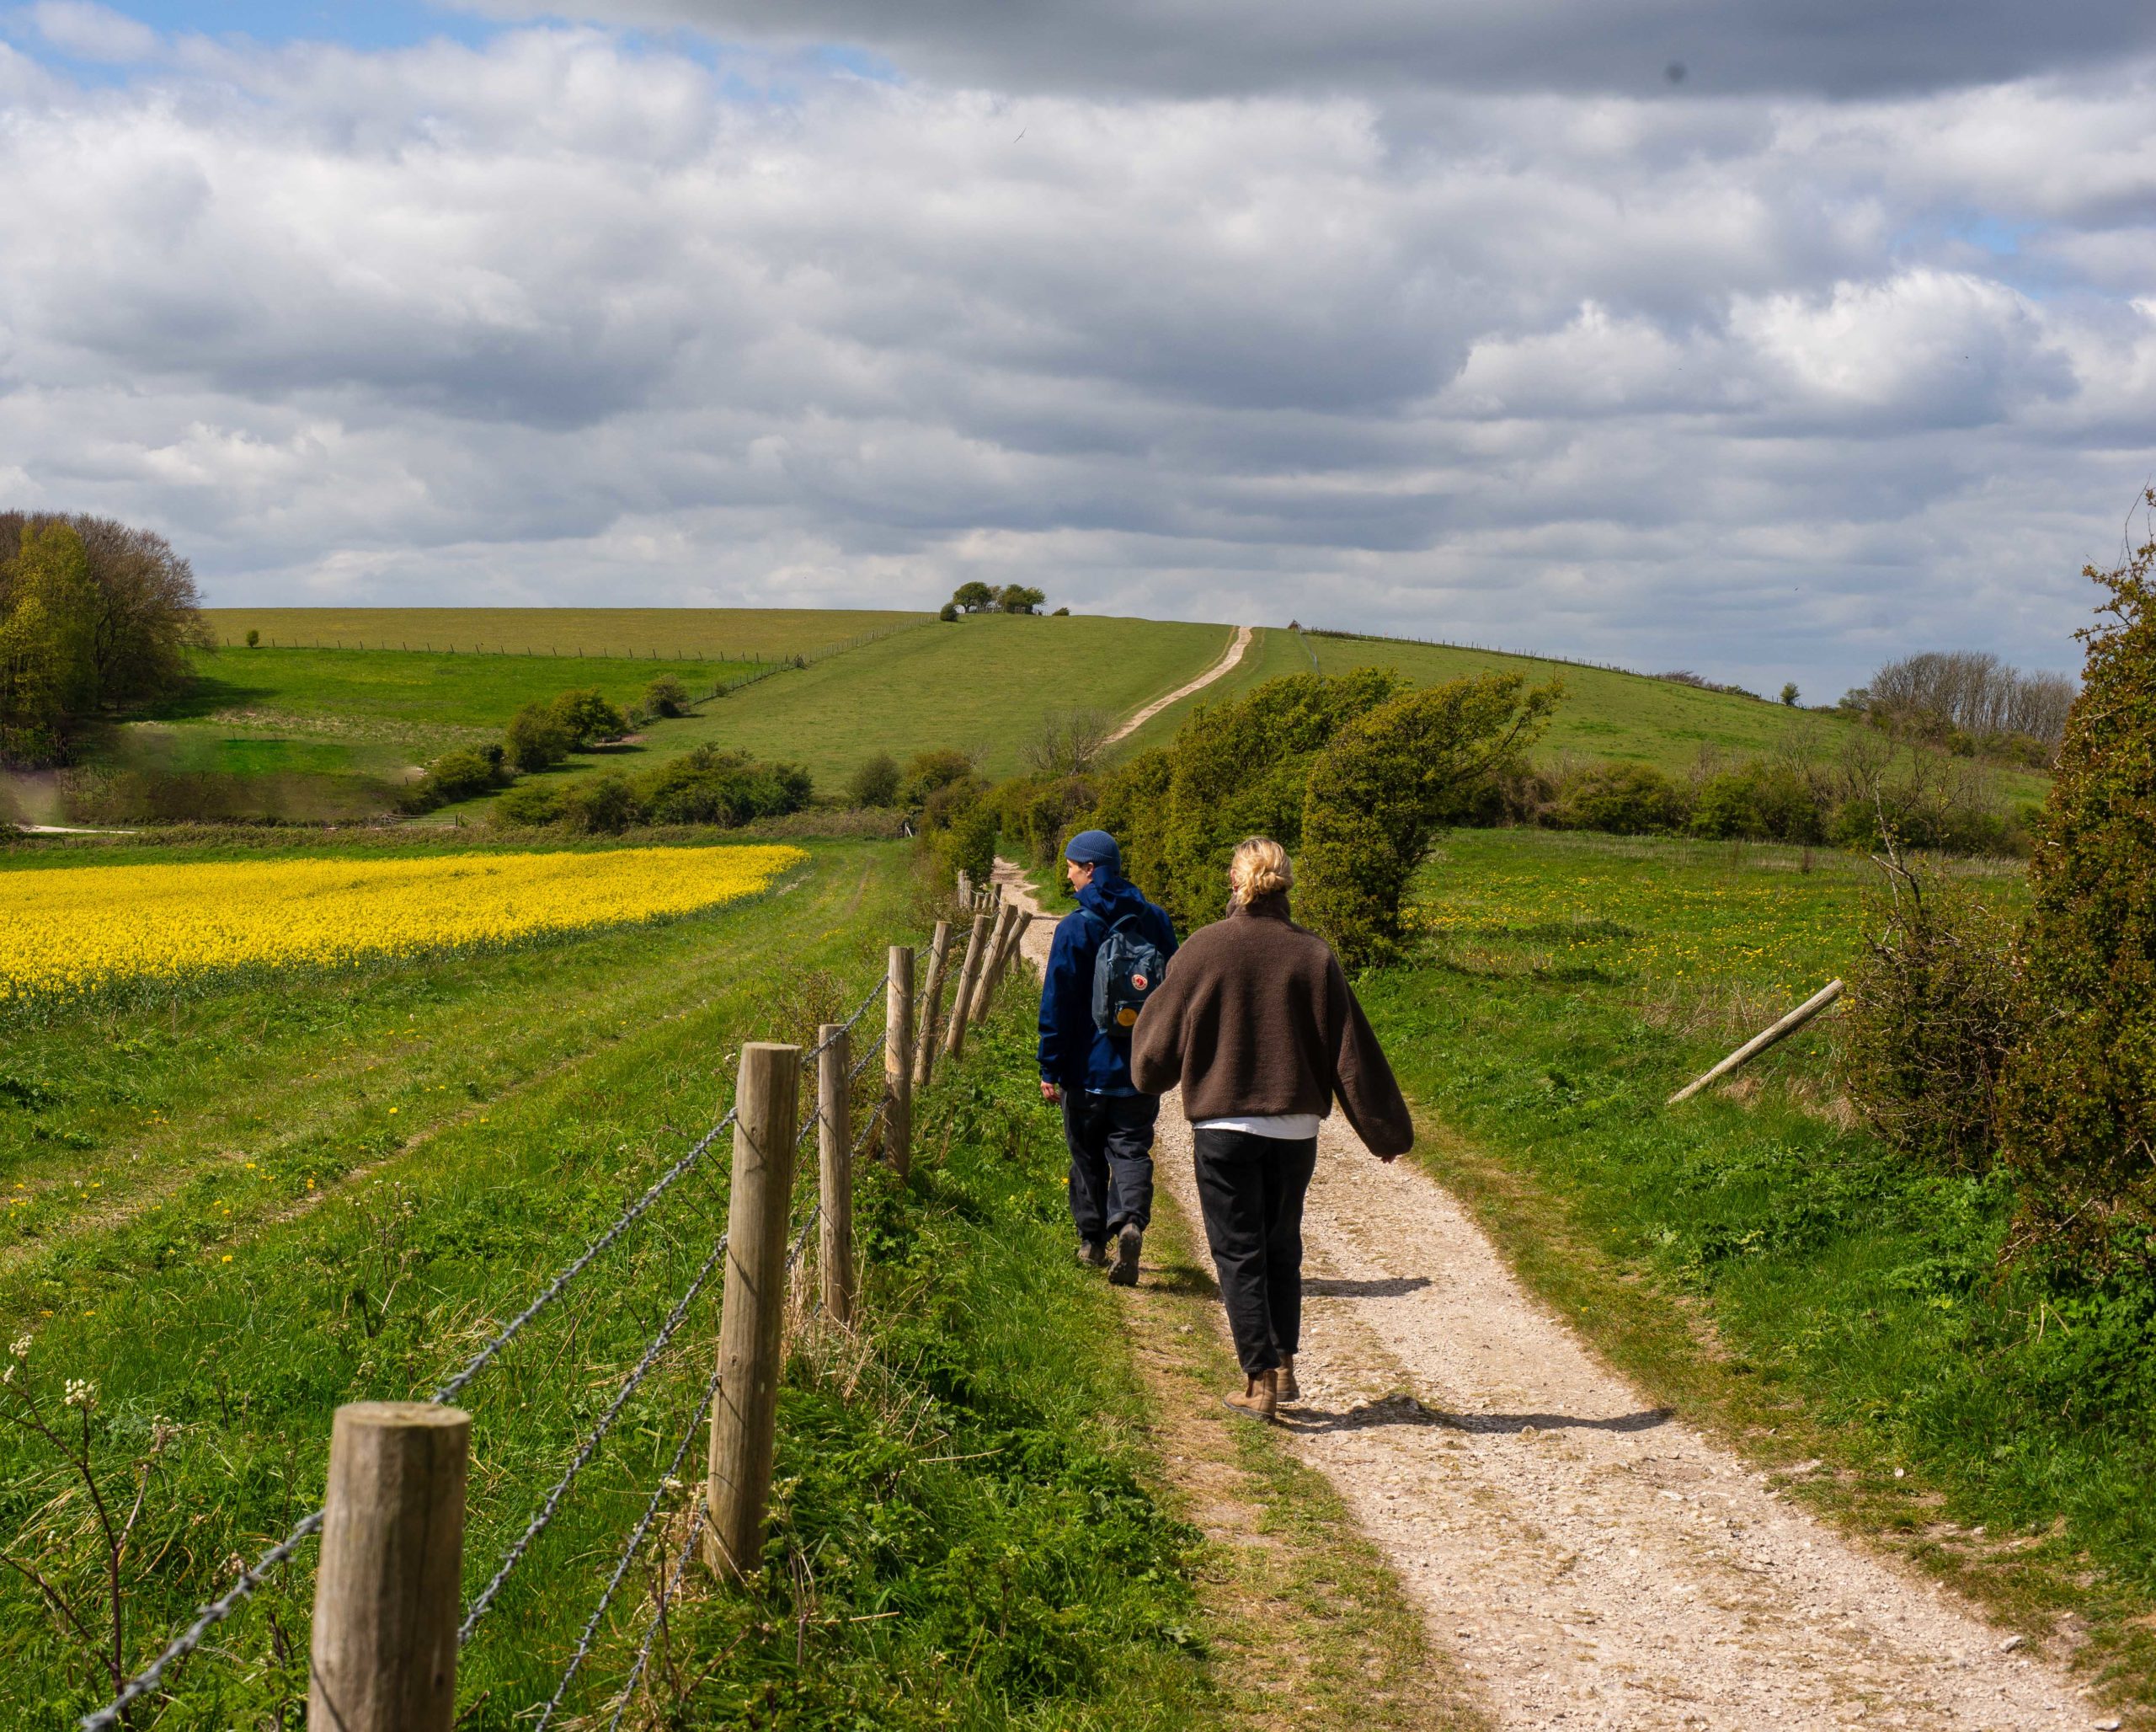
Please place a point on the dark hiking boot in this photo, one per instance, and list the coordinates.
(1283, 1379)
(1124, 1273)
(1258, 1398)
(1093, 1254)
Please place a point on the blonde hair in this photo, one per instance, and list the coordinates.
(1259, 869)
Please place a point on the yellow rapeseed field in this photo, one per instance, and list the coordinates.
(67, 929)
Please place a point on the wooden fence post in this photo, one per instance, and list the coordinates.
(835, 1169)
(1009, 953)
(985, 980)
(898, 1061)
(743, 1418)
(965, 890)
(932, 1007)
(383, 1657)
(954, 1039)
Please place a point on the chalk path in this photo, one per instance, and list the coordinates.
(1593, 1560)
(1227, 661)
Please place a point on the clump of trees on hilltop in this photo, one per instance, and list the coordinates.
(95, 617)
(982, 598)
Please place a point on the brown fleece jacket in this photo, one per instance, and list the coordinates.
(1255, 1017)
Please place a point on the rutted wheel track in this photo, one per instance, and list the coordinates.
(1594, 1561)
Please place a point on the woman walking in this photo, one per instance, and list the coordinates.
(1256, 1023)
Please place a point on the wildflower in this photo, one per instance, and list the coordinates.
(20, 1347)
(80, 1393)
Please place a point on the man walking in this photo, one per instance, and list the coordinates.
(1105, 957)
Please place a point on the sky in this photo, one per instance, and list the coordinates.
(1768, 339)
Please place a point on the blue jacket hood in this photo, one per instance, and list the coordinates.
(1109, 900)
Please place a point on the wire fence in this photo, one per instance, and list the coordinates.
(151, 1680)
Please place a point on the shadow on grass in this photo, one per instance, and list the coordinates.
(204, 696)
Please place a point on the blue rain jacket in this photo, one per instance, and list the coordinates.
(1073, 1052)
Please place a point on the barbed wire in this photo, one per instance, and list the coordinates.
(555, 1288)
(206, 1618)
(670, 1478)
(252, 1576)
(552, 1505)
(673, 1584)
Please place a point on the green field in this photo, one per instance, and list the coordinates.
(1605, 714)
(234, 1207)
(1856, 1309)
(626, 633)
(980, 684)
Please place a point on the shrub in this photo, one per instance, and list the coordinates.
(1382, 790)
(1934, 1009)
(253, 637)
(929, 772)
(666, 696)
(949, 612)
(725, 788)
(1069, 741)
(1038, 814)
(1623, 799)
(2078, 1108)
(586, 716)
(876, 782)
(1759, 801)
(462, 774)
(600, 804)
(537, 738)
(530, 803)
(966, 843)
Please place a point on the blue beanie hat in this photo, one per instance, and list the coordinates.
(1095, 847)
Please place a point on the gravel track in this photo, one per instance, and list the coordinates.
(1594, 1561)
(1234, 654)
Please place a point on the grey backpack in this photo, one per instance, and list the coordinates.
(1126, 970)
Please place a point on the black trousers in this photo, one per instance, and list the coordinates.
(1251, 1188)
(1111, 1139)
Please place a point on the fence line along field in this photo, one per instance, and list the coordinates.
(67, 930)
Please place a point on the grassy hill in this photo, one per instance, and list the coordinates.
(639, 634)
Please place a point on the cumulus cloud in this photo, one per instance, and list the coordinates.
(1772, 387)
(84, 31)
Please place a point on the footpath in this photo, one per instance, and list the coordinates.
(1588, 1559)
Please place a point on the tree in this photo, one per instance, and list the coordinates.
(1385, 787)
(666, 696)
(48, 663)
(253, 637)
(876, 782)
(2079, 1098)
(973, 598)
(1789, 694)
(537, 738)
(1069, 741)
(586, 716)
(1018, 598)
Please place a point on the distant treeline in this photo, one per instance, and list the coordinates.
(94, 617)
(1968, 699)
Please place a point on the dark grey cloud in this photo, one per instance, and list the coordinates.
(1837, 48)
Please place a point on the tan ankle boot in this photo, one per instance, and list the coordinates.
(1259, 1397)
(1283, 1379)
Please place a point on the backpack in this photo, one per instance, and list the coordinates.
(1126, 970)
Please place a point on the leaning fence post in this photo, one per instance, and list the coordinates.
(835, 1169)
(1009, 953)
(383, 1655)
(954, 1039)
(932, 1006)
(897, 1060)
(985, 979)
(743, 1417)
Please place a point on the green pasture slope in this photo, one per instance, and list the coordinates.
(623, 633)
(979, 684)
(241, 1206)
(1568, 985)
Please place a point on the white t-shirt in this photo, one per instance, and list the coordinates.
(1290, 1127)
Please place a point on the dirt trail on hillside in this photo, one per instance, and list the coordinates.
(1233, 655)
(1593, 1560)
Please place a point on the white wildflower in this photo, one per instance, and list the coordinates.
(20, 1347)
(82, 1393)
